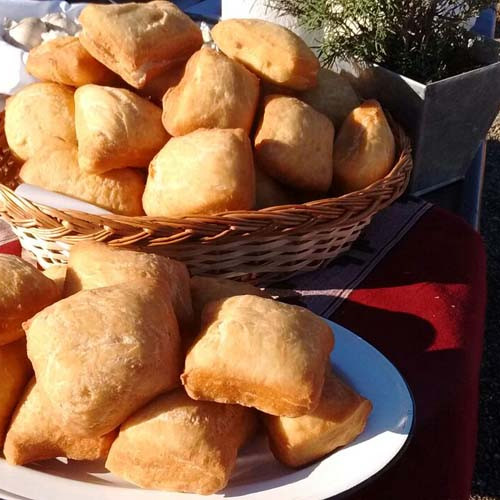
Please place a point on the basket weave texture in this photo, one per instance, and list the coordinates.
(262, 246)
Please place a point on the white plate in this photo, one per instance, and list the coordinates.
(257, 474)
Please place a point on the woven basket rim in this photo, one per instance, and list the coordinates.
(322, 206)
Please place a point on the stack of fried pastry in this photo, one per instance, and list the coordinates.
(137, 116)
(121, 356)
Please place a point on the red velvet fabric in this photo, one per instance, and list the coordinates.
(424, 308)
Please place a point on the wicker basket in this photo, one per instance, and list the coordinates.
(263, 246)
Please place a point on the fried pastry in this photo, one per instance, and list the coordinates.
(333, 96)
(57, 274)
(205, 289)
(116, 128)
(139, 41)
(339, 418)
(96, 265)
(56, 169)
(270, 193)
(101, 354)
(156, 88)
(175, 443)
(215, 92)
(365, 149)
(38, 116)
(259, 352)
(35, 435)
(300, 153)
(15, 371)
(24, 291)
(64, 60)
(271, 51)
(204, 172)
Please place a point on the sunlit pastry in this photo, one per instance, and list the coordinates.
(340, 417)
(259, 352)
(156, 88)
(205, 290)
(64, 60)
(175, 443)
(38, 116)
(34, 434)
(333, 96)
(364, 150)
(139, 41)
(271, 51)
(215, 92)
(24, 291)
(57, 274)
(204, 172)
(15, 371)
(56, 169)
(101, 354)
(96, 265)
(116, 128)
(294, 144)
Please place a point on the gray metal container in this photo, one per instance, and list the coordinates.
(446, 120)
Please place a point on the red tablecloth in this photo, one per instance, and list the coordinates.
(423, 307)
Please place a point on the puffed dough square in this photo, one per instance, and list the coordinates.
(15, 371)
(156, 88)
(101, 354)
(64, 60)
(215, 92)
(34, 434)
(294, 144)
(116, 128)
(24, 291)
(259, 352)
(139, 41)
(96, 265)
(175, 443)
(364, 150)
(205, 172)
(340, 417)
(271, 51)
(40, 115)
(56, 169)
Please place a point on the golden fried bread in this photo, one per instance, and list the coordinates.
(56, 169)
(259, 352)
(40, 115)
(270, 193)
(339, 418)
(34, 434)
(364, 150)
(205, 172)
(24, 291)
(298, 154)
(96, 265)
(156, 88)
(101, 354)
(333, 96)
(175, 443)
(57, 274)
(215, 92)
(271, 51)
(15, 371)
(139, 41)
(64, 60)
(116, 128)
(205, 289)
